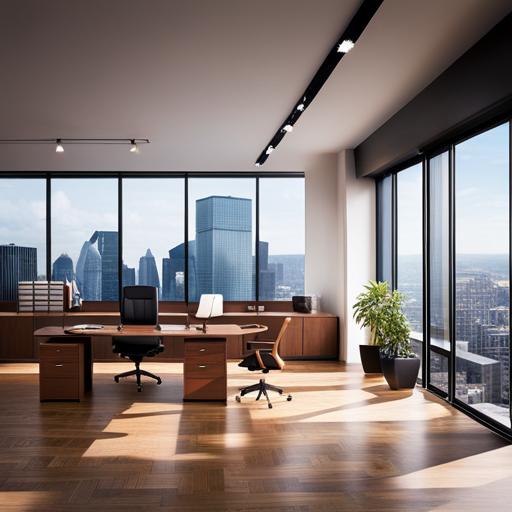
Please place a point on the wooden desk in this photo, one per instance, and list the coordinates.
(205, 365)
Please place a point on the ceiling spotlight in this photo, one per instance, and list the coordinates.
(269, 150)
(133, 149)
(288, 128)
(59, 148)
(345, 46)
(301, 107)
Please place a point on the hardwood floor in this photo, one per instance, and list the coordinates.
(346, 442)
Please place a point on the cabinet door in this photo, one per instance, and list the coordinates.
(17, 337)
(321, 336)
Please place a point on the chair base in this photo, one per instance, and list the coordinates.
(262, 387)
(138, 372)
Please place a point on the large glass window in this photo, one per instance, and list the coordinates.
(410, 245)
(439, 271)
(186, 234)
(22, 234)
(282, 240)
(385, 230)
(221, 216)
(153, 235)
(84, 227)
(482, 295)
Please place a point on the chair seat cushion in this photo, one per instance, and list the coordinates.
(251, 362)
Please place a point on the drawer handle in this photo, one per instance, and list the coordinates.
(58, 350)
(202, 366)
(58, 365)
(202, 349)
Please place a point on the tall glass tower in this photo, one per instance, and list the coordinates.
(63, 268)
(16, 264)
(88, 272)
(173, 272)
(107, 243)
(148, 273)
(224, 246)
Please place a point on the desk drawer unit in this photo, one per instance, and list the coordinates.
(205, 370)
(61, 371)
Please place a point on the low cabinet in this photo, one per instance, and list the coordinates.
(205, 370)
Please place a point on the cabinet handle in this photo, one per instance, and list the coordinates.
(202, 349)
(202, 366)
(59, 365)
(58, 350)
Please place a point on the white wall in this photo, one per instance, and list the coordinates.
(322, 254)
(358, 245)
(340, 241)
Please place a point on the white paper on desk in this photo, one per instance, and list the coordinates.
(83, 327)
(171, 327)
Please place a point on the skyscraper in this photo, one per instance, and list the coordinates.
(148, 274)
(107, 243)
(128, 275)
(267, 277)
(16, 264)
(173, 272)
(88, 272)
(224, 246)
(63, 268)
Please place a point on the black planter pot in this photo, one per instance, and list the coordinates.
(401, 373)
(370, 357)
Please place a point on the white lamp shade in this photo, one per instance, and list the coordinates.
(210, 305)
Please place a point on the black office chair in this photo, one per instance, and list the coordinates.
(265, 358)
(139, 306)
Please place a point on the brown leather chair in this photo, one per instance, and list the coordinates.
(265, 358)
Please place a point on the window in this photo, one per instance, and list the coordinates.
(84, 228)
(482, 296)
(282, 240)
(185, 233)
(410, 245)
(222, 237)
(22, 234)
(385, 230)
(153, 235)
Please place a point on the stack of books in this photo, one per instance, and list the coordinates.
(40, 296)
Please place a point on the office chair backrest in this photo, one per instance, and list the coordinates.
(275, 347)
(139, 305)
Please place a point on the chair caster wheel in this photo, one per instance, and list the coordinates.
(116, 379)
(159, 381)
(140, 389)
(237, 398)
(270, 406)
(289, 398)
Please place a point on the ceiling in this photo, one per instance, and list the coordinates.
(210, 82)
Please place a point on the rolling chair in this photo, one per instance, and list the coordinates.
(265, 358)
(139, 306)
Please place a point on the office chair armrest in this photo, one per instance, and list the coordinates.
(260, 361)
(260, 344)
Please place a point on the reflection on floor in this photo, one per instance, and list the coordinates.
(345, 442)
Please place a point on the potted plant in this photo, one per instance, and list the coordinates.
(368, 312)
(381, 310)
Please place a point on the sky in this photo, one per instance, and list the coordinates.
(153, 213)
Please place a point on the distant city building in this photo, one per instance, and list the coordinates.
(88, 272)
(128, 276)
(16, 264)
(173, 274)
(148, 273)
(267, 276)
(63, 268)
(107, 243)
(224, 246)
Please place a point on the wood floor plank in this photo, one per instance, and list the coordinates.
(346, 442)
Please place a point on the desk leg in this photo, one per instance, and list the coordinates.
(88, 363)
